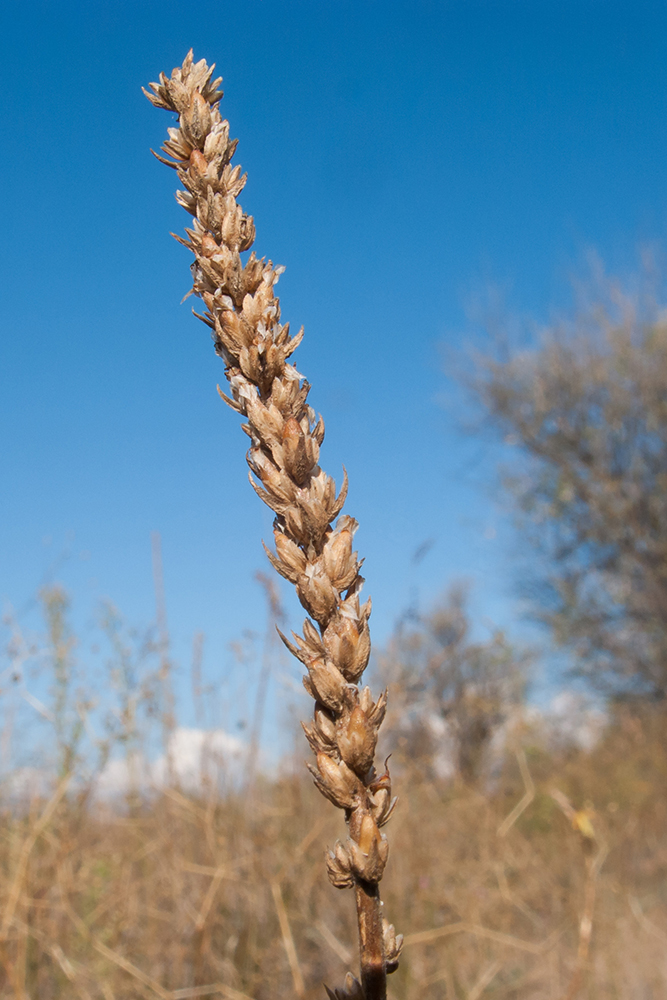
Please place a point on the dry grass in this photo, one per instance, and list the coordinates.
(203, 895)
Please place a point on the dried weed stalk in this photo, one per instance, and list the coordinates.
(595, 852)
(315, 555)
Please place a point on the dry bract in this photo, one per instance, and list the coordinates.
(315, 555)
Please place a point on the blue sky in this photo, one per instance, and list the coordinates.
(403, 158)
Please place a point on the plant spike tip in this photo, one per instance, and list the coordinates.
(313, 552)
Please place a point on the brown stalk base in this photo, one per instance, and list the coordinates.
(371, 946)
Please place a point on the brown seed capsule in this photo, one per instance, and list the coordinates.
(339, 562)
(356, 738)
(208, 245)
(290, 553)
(196, 121)
(198, 162)
(353, 990)
(348, 643)
(369, 864)
(342, 855)
(307, 648)
(338, 868)
(336, 781)
(325, 725)
(316, 594)
(246, 233)
(272, 479)
(294, 448)
(312, 638)
(318, 743)
(294, 523)
(249, 363)
(393, 945)
(315, 515)
(329, 684)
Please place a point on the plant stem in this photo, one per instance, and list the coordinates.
(371, 948)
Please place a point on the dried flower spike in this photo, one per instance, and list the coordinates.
(313, 544)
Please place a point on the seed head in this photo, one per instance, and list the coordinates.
(313, 539)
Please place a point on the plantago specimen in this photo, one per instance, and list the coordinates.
(311, 551)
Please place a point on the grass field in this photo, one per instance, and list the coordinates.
(202, 892)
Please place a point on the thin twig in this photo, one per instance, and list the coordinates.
(581, 820)
(192, 992)
(525, 801)
(209, 897)
(343, 952)
(288, 940)
(131, 969)
(643, 920)
(484, 980)
(462, 927)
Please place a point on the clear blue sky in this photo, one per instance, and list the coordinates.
(402, 156)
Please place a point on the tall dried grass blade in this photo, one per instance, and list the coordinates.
(192, 992)
(131, 969)
(485, 980)
(462, 927)
(28, 844)
(288, 940)
(526, 799)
